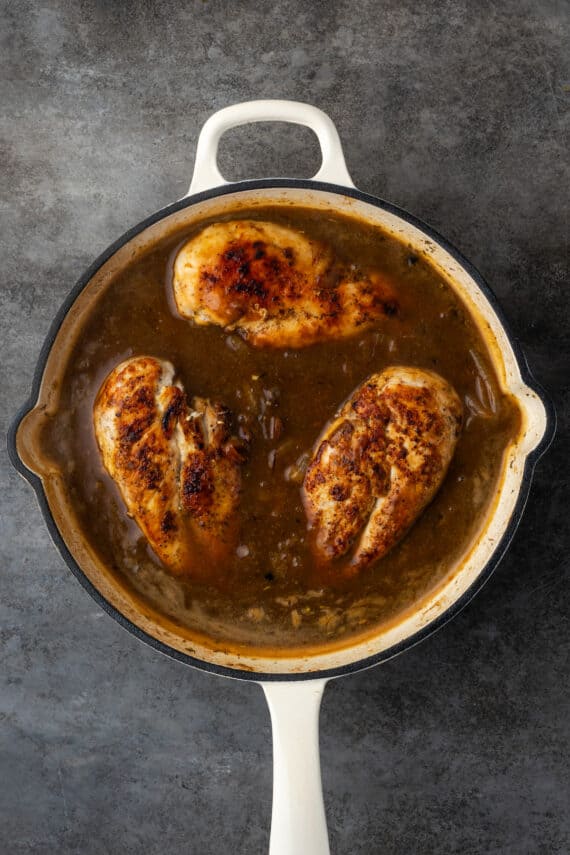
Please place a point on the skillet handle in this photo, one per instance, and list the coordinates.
(206, 173)
(298, 822)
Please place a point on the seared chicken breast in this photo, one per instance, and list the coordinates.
(175, 464)
(275, 286)
(379, 462)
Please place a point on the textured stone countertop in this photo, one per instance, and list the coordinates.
(455, 111)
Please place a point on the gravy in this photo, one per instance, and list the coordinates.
(270, 593)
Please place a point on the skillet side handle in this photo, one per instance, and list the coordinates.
(206, 173)
(298, 822)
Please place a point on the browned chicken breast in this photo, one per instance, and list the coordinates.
(275, 286)
(379, 462)
(176, 465)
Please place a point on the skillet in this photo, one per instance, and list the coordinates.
(293, 685)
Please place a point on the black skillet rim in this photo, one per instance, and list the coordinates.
(360, 664)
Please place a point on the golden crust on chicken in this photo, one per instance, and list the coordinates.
(379, 462)
(175, 464)
(275, 286)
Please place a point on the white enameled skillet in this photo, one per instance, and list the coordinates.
(293, 685)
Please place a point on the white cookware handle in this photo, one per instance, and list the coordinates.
(298, 822)
(206, 173)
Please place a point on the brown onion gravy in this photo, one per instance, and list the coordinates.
(271, 594)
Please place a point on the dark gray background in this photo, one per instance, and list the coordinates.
(458, 112)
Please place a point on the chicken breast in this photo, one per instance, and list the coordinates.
(275, 286)
(176, 466)
(379, 462)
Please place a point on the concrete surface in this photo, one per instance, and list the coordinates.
(458, 112)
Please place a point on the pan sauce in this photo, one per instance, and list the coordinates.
(270, 594)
